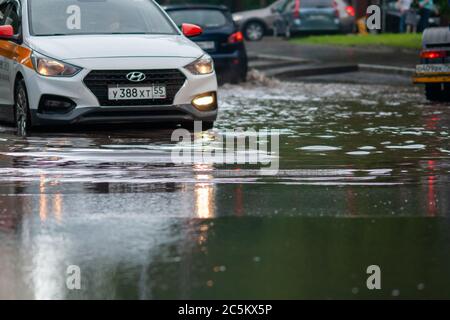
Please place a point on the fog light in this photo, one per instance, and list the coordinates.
(205, 102)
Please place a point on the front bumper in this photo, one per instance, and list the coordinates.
(125, 114)
(89, 108)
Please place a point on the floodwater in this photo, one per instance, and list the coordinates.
(363, 180)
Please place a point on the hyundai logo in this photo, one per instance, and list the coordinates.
(136, 76)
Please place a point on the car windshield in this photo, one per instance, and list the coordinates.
(206, 18)
(316, 3)
(70, 17)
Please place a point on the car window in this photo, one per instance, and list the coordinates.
(206, 18)
(12, 17)
(69, 17)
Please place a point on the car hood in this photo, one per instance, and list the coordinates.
(115, 46)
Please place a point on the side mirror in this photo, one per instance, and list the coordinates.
(6, 32)
(191, 30)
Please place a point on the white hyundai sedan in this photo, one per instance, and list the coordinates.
(100, 61)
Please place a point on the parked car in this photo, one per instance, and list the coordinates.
(221, 38)
(109, 61)
(315, 16)
(434, 68)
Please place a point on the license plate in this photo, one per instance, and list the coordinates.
(433, 68)
(137, 93)
(207, 45)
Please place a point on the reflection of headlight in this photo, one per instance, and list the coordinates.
(49, 67)
(203, 65)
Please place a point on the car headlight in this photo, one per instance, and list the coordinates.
(203, 65)
(49, 67)
(237, 17)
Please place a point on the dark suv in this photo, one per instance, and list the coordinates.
(221, 38)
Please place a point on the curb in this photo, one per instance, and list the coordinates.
(387, 69)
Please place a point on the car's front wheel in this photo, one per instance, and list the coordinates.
(21, 109)
(437, 92)
(254, 31)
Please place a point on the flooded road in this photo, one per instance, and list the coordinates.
(363, 180)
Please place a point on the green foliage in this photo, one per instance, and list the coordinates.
(411, 41)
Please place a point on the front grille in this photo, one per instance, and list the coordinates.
(98, 81)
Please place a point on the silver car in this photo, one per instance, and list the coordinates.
(257, 23)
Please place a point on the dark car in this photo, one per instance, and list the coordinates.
(393, 17)
(434, 68)
(221, 38)
(320, 16)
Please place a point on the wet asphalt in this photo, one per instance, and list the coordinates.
(363, 180)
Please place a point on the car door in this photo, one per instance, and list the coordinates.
(319, 15)
(274, 12)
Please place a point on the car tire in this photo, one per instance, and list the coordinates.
(235, 77)
(434, 92)
(22, 118)
(208, 125)
(254, 31)
(243, 75)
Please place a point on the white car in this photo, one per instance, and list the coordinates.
(100, 61)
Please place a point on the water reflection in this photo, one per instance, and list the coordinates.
(49, 202)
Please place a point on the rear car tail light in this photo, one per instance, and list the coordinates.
(433, 54)
(350, 11)
(205, 102)
(297, 9)
(336, 10)
(236, 37)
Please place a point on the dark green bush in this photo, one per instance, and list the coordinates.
(234, 5)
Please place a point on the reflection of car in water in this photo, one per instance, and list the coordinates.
(221, 38)
(315, 16)
(434, 68)
(256, 23)
(76, 65)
